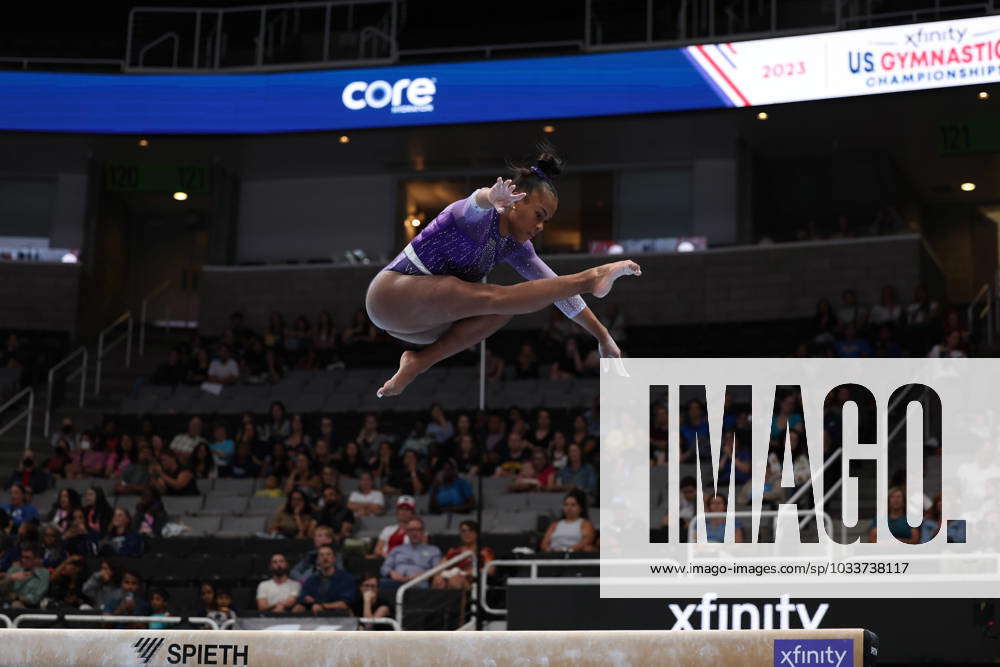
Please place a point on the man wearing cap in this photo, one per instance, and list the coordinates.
(392, 536)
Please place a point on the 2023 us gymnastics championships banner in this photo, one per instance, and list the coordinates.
(811, 67)
(931, 427)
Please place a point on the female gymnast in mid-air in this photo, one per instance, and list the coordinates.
(430, 293)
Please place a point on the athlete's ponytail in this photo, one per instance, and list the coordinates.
(539, 172)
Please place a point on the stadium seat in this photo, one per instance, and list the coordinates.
(546, 503)
(126, 502)
(243, 525)
(263, 506)
(509, 502)
(46, 499)
(510, 522)
(438, 524)
(233, 487)
(223, 504)
(201, 525)
(180, 505)
(371, 526)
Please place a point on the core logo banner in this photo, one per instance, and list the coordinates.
(804, 477)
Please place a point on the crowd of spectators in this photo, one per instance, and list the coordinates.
(921, 328)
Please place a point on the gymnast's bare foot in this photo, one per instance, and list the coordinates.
(409, 369)
(606, 275)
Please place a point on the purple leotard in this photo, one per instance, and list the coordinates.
(465, 241)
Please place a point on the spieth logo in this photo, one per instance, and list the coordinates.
(404, 96)
(146, 648)
(827, 652)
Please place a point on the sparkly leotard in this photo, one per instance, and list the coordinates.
(465, 241)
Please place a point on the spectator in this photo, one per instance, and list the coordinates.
(206, 595)
(352, 462)
(203, 463)
(850, 312)
(119, 457)
(103, 585)
(686, 505)
(244, 465)
(306, 567)
(569, 364)
(512, 455)
(88, 460)
(61, 457)
(224, 369)
(62, 509)
(248, 433)
(932, 521)
(325, 350)
(888, 311)
(279, 593)
(740, 461)
(52, 550)
(303, 477)
(158, 601)
(852, 347)
(788, 417)
(526, 364)
(298, 441)
(418, 440)
(408, 561)
(121, 539)
(67, 432)
(150, 515)
(28, 475)
(461, 576)
(326, 432)
(322, 454)
(921, 311)
(172, 479)
(370, 436)
(278, 427)
(26, 582)
(558, 453)
(715, 526)
(885, 346)
(298, 342)
(576, 474)
(223, 448)
(659, 436)
(294, 520)
(183, 444)
(825, 323)
(361, 331)
(274, 338)
(272, 488)
(18, 508)
(383, 464)
(79, 538)
(542, 434)
(278, 462)
(223, 606)
(66, 584)
(335, 514)
(97, 509)
(371, 604)
(366, 500)
(544, 471)
(693, 428)
(171, 373)
(494, 366)
(467, 457)
(329, 589)
(450, 492)
(574, 531)
(197, 369)
(951, 347)
(898, 524)
(496, 433)
(329, 476)
(394, 535)
(408, 479)
(439, 427)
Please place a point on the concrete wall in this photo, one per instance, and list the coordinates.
(36, 295)
(727, 285)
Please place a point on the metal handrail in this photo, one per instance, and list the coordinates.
(83, 383)
(156, 42)
(6, 620)
(111, 618)
(986, 295)
(440, 567)
(29, 411)
(101, 348)
(808, 485)
(533, 564)
(146, 300)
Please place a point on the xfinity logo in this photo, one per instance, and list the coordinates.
(915, 39)
(198, 654)
(796, 652)
(746, 616)
(404, 96)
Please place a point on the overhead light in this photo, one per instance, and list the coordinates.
(180, 196)
(549, 129)
(415, 222)
(983, 95)
(69, 258)
(344, 139)
(143, 142)
(762, 115)
(685, 246)
(968, 186)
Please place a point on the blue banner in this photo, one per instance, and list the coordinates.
(508, 90)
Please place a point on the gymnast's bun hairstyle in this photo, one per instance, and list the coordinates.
(540, 171)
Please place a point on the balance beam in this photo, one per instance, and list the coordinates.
(696, 648)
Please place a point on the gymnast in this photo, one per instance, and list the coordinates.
(431, 293)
